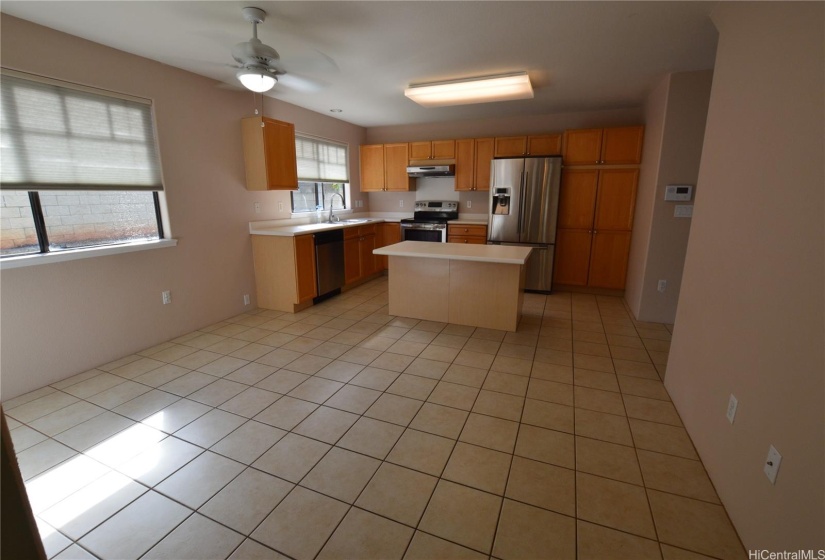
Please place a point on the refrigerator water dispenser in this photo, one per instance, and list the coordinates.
(501, 201)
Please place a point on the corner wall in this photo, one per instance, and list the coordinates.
(751, 317)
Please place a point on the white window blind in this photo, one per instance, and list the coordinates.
(321, 161)
(61, 136)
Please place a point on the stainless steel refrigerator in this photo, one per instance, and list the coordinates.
(523, 210)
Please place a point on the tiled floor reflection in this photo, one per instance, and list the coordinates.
(343, 432)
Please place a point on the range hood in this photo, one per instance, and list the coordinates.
(431, 171)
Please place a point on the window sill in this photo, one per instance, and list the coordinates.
(86, 253)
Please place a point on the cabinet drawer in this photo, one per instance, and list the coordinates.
(467, 230)
(350, 232)
(467, 239)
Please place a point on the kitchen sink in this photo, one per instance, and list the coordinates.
(354, 221)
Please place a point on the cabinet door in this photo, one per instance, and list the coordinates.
(608, 259)
(622, 145)
(372, 168)
(352, 260)
(390, 235)
(616, 199)
(465, 151)
(572, 257)
(512, 146)
(420, 150)
(544, 145)
(443, 149)
(305, 267)
(395, 167)
(577, 198)
(368, 261)
(279, 147)
(485, 148)
(582, 147)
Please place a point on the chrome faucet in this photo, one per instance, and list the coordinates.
(331, 216)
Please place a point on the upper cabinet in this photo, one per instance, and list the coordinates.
(384, 168)
(269, 154)
(435, 149)
(519, 146)
(603, 146)
(472, 163)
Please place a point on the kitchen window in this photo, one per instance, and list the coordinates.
(80, 168)
(323, 172)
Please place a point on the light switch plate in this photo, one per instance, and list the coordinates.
(683, 211)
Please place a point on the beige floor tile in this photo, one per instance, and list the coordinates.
(282, 381)
(251, 373)
(301, 523)
(515, 366)
(548, 415)
(308, 364)
(626, 355)
(613, 504)
(365, 535)
(332, 349)
(450, 340)
(608, 460)
(465, 375)
(591, 348)
(65, 418)
(482, 346)
(600, 543)
(421, 451)
(200, 479)
(280, 357)
(398, 493)
(429, 368)
(490, 432)
(474, 359)
(326, 424)
(188, 383)
(605, 427)
(340, 371)
(648, 388)
(371, 437)
(439, 353)
(478, 467)
(595, 363)
(95, 385)
(292, 457)
(251, 550)
(552, 372)
(489, 334)
(675, 475)
(250, 402)
(197, 537)
(529, 532)
(556, 343)
(315, 389)
(500, 405)
(548, 446)
(62, 385)
(560, 393)
(176, 415)
(673, 553)
(161, 375)
(375, 378)
(160, 460)
(31, 396)
(506, 383)
(596, 380)
(24, 437)
(624, 340)
(137, 368)
(519, 351)
(353, 399)
(412, 386)
(462, 515)
(557, 357)
(635, 369)
(217, 393)
(427, 547)
(286, 413)
(245, 501)
(222, 366)
(416, 335)
(453, 395)
(42, 456)
(210, 428)
(662, 438)
(695, 525)
(598, 400)
(407, 348)
(358, 355)
(377, 342)
(652, 410)
(119, 394)
(248, 442)
(546, 486)
(341, 474)
(394, 409)
(591, 337)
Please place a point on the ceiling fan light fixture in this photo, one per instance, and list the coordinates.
(258, 80)
(482, 89)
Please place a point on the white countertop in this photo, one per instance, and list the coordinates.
(263, 228)
(505, 254)
(470, 222)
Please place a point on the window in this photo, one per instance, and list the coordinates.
(80, 167)
(322, 173)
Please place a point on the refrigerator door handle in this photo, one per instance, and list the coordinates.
(521, 202)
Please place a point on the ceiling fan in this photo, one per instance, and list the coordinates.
(260, 67)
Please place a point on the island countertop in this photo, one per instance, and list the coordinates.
(504, 254)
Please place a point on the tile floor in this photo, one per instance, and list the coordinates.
(343, 432)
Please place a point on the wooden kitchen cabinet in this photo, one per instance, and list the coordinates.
(284, 271)
(387, 233)
(359, 262)
(472, 163)
(467, 233)
(603, 146)
(384, 168)
(269, 154)
(594, 225)
(518, 146)
(432, 149)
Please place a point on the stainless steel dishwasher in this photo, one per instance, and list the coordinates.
(329, 262)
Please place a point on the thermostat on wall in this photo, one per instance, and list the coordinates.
(678, 193)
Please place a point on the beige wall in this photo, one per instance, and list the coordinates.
(676, 113)
(750, 317)
(63, 318)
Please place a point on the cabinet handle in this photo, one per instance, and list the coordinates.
(465, 241)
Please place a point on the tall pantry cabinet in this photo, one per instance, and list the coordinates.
(596, 205)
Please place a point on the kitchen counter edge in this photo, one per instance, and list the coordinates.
(503, 254)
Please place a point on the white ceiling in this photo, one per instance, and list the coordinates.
(580, 55)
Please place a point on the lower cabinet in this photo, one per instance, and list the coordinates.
(359, 262)
(459, 233)
(388, 233)
(284, 271)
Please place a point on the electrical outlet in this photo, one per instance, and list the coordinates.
(469, 204)
(772, 464)
(662, 286)
(280, 207)
(246, 299)
(732, 404)
(401, 203)
(257, 207)
(166, 297)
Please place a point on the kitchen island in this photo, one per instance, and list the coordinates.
(475, 285)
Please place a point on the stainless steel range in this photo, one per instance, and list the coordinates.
(429, 221)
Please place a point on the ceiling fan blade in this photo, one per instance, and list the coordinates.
(314, 61)
(300, 83)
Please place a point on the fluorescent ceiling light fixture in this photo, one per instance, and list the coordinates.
(256, 79)
(484, 89)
